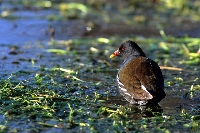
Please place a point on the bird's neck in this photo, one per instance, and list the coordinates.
(126, 60)
(130, 57)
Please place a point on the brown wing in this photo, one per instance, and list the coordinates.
(132, 76)
(147, 75)
(153, 79)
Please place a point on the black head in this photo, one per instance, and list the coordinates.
(127, 49)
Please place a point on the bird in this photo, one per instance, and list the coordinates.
(140, 80)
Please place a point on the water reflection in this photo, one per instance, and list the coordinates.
(135, 111)
(170, 105)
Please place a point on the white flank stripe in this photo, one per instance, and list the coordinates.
(120, 83)
(144, 88)
(127, 94)
(122, 89)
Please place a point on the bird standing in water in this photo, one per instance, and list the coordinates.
(140, 80)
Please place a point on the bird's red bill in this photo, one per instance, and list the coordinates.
(114, 54)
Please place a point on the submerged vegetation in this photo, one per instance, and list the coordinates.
(79, 93)
(69, 85)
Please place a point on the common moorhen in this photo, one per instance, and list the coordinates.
(140, 80)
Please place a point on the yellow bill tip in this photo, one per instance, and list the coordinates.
(112, 55)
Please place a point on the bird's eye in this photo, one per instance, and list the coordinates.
(123, 48)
